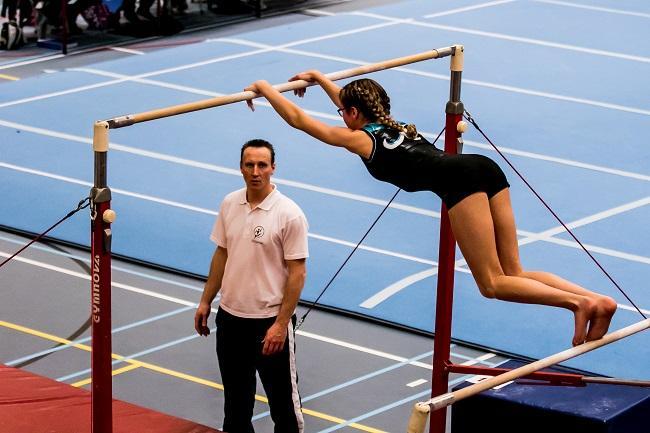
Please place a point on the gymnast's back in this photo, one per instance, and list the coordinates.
(397, 159)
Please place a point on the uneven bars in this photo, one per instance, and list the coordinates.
(418, 416)
(128, 120)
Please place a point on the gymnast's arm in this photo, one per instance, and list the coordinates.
(357, 142)
(331, 88)
(212, 287)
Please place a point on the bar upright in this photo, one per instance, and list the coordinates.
(446, 254)
(101, 218)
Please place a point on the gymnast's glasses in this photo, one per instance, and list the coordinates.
(340, 111)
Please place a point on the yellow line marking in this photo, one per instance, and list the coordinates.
(43, 335)
(166, 371)
(9, 77)
(113, 373)
(81, 383)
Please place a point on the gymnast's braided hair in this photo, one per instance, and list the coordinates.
(373, 101)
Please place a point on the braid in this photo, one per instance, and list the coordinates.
(411, 131)
(371, 99)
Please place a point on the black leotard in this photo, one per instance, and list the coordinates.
(417, 165)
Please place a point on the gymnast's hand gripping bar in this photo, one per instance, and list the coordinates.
(128, 120)
(421, 410)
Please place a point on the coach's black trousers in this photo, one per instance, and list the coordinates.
(239, 351)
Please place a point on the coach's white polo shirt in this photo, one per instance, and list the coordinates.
(258, 240)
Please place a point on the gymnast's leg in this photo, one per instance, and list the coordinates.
(474, 230)
(508, 251)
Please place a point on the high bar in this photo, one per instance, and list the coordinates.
(452, 397)
(128, 120)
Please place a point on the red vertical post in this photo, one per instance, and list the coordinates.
(101, 218)
(446, 256)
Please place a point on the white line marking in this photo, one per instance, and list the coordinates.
(400, 285)
(416, 383)
(510, 38)
(114, 190)
(366, 350)
(595, 8)
(396, 287)
(318, 12)
(30, 62)
(59, 93)
(374, 250)
(600, 250)
(630, 308)
(558, 97)
(163, 84)
(334, 35)
(479, 359)
(563, 161)
(87, 277)
(112, 82)
(127, 50)
(86, 260)
(468, 8)
(405, 282)
(480, 378)
(599, 216)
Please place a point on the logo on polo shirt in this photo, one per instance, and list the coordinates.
(258, 232)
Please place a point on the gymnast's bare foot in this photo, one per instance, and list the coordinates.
(585, 311)
(599, 322)
(582, 314)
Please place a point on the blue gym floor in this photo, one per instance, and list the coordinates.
(562, 88)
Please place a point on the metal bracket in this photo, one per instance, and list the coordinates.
(108, 236)
(100, 195)
(454, 108)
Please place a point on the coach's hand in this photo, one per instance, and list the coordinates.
(274, 339)
(201, 319)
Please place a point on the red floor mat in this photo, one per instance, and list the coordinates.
(36, 404)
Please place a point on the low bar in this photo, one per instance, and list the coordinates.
(568, 379)
(131, 119)
(447, 399)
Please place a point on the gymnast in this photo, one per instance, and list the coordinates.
(472, 187)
